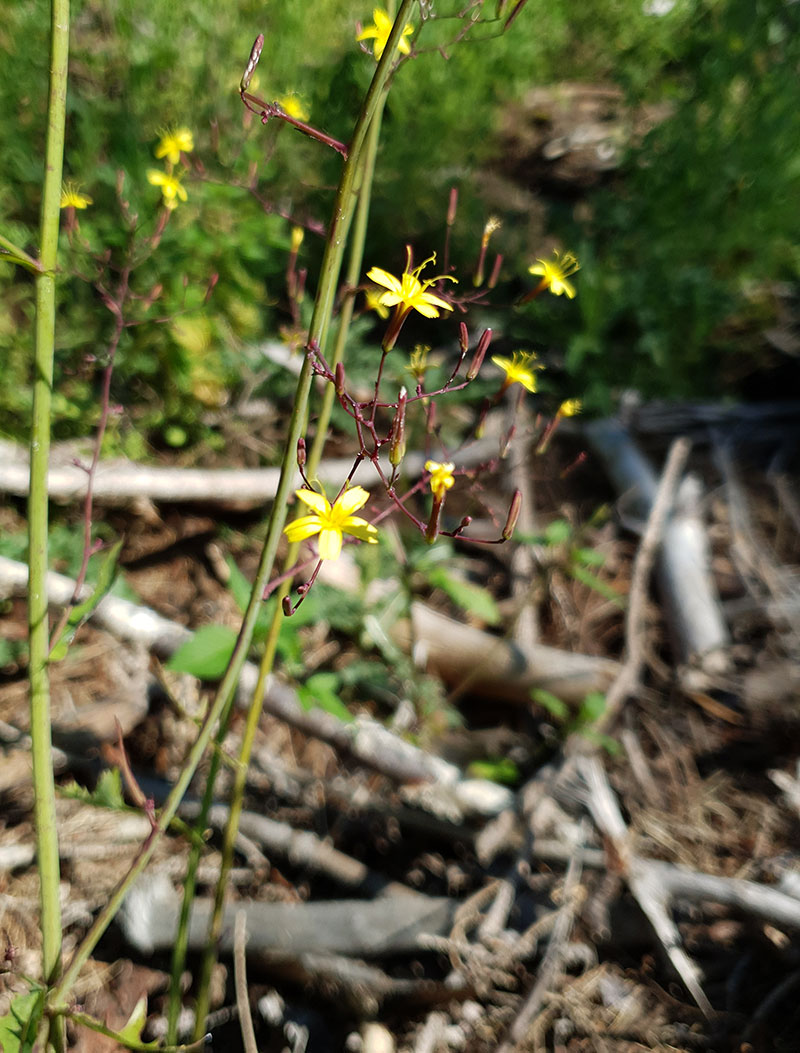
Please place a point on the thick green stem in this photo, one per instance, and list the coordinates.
(369, 122)
(44, 340)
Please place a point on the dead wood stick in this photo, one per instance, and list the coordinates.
(499, 668)
(648, 892)
(119, 483)
(627, 680)
(367, 740)
(694, 609)
(358, 928)
(552, 961)
(240, 981)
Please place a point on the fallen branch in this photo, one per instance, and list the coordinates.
(694, 609)
(490, 665)
(120, 483)
(359, 928)
(366, 740)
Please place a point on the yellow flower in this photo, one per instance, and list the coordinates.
(555, 273)
(173, 142)
(380, 30)
(170, 187)
(519, 369)
(292, 105)
(373, 298)
(418, 362)
(331, 521)
(297, 239)
(569, 408)
(408, 293)
(441, 478)
(71, 196)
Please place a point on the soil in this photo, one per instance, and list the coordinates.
(694, 771)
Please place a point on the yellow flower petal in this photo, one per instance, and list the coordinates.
(351, 500)
(305, 526)
(318, 502)
(330, 543)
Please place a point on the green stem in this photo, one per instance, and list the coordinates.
(365, 140)
(44, 341)
(38, 626)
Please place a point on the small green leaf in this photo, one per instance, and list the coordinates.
(131, 1033)
(589, 557)
(83, 610)
(554, 706)
(585, 577)
(321, 691)
(592, 708)
(207, 654)
(18, 1026)
(504, 771)
(107, 794)
(558, 532)
(472, 598)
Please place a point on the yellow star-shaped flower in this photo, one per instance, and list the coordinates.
(555, 272)
(408, 293)
(380, 30)
(171, 188)
(441, 479)
(519, 369)
(71, 197)
(331, 521)
(173, 142)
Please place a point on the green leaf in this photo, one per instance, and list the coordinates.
(558, 532)
(589, 557)
(554, 706)
(206, 654)
(107, 794)
(585, 577)
(83, 610)
(321, 691)
(503, 770)
(592, 708)
(472, 598)
(18, 1026)
(131, 1033)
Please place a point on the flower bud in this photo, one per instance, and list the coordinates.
(252, 62)
(513, 515)
(397, 444)
(480, 354)
(463, 337)
(339, 379)
(301, 452)
(452, 206)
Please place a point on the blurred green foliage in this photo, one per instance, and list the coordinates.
(693, 231)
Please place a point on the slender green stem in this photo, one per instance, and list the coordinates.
(365, 140)
(44, 340)
(38, 626)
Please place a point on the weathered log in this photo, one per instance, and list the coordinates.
(490, 665)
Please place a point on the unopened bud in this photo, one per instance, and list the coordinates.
(513, 515)
(432, 529)
(495, 275)
(452, 206)
(339, 379)
(397, 445)
(465, 522)
(252, 62)
(286, 603)
(301, 452)
(480, 354)
(463, 337)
